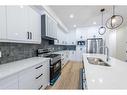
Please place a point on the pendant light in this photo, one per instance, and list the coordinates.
(114, 21)
(102, 29)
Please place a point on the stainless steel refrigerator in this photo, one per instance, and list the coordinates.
(94, 45)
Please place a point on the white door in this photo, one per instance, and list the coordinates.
(34, 25)
(17, 23)
(2, 22)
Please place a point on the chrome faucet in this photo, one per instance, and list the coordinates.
(107, 58)
(106, 49)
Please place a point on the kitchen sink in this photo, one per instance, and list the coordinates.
(97, 61)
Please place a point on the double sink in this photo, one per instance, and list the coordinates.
(97, 61)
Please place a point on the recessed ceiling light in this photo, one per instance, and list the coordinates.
(74, 25)
(71, 16)
(94, 23)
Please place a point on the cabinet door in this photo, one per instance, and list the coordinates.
(72, 55)
(2, 22)
(59, 35)
(62, 37)
(10, 82)
(34, 25)
(49, 27)
(17, 23)
(54, 30)
(71, 38)
(27, 79)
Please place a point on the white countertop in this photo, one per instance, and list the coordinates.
(103, 77)
(17, 66)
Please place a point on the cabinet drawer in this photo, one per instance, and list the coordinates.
(33, 78)
(39, 81)
(39, 69)
(41, 65)
(10, 82)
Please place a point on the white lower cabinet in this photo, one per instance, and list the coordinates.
(27, 79)
(10, 82)
(72, 55)
(36, 77)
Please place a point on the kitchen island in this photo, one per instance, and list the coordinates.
(105, 77)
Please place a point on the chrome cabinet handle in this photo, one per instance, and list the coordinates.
(39, 76)
(39, 67)
(40, 87)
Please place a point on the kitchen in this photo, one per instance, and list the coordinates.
(60, 47)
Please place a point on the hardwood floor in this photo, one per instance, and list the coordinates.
(69, 78)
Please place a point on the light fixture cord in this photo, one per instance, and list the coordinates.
(102, 19)
(113, 9)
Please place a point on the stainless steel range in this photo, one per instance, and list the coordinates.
(55, 63)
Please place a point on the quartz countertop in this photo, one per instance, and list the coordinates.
(17, 66)
(103, 77)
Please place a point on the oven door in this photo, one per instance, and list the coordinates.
(55, 70)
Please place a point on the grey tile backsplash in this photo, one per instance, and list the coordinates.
(17, 51)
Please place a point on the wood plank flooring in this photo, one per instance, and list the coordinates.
(69, 78)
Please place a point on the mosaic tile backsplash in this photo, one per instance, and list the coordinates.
(17, 51)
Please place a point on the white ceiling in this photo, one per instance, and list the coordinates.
(86, 15)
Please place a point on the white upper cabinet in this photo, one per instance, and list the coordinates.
(54, 28)
(71, 38)
(64, 38)
(17, 23)
(34, 25)
(20, 24)
(48, 24)
(48, 27)
(60, 37)
(2, 22)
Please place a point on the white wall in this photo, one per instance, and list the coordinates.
(121, 46)
(111, 42)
